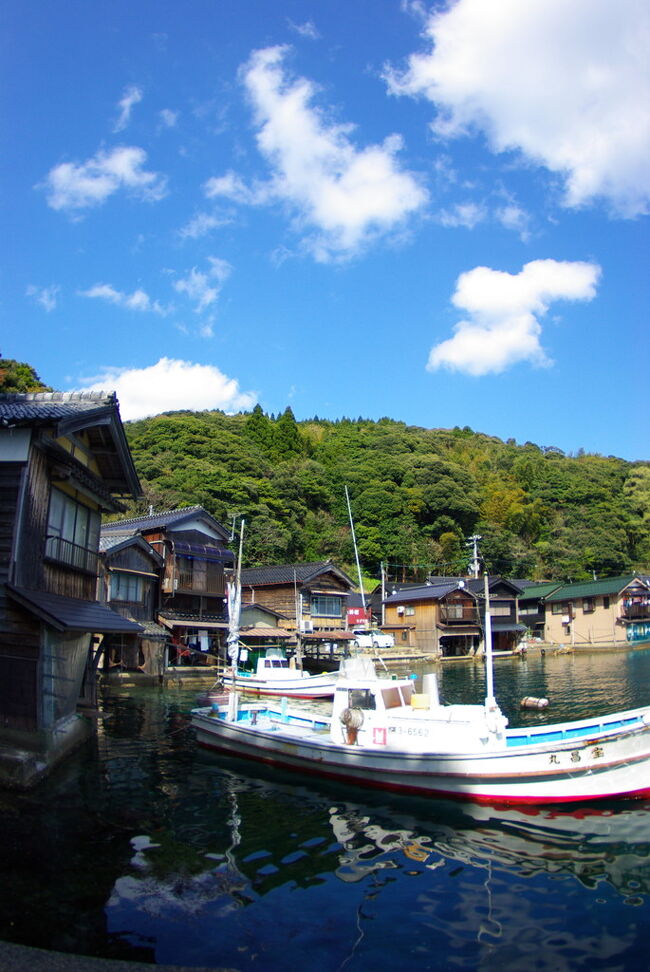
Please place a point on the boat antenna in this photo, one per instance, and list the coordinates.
(356, 552)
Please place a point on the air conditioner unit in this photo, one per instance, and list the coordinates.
(400, 610)
(566, 619)
(306, 627)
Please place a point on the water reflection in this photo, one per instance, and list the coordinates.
(145, 847)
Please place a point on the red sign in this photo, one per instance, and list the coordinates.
(357, 616)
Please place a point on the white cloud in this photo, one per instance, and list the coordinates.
(201, 224)
(308, 29)
(341, 196)
(137, 301)
(203, 289)
(80, 186)
(468, 215)
(170, 385)
(566, 84)
(233, 187)
(513, 217)
(45, 296)
(503, 310)
(168, 117)
(132, 95)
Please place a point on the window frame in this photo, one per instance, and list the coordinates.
(72, 536)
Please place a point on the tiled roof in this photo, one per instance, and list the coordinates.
(114, 540)
(164, 519)
(286, 573)
(16, 408)
(424, 592)
(608, 585)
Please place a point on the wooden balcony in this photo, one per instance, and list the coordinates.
(459, 614)
(636, 612)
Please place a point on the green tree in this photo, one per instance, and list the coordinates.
(16, 376)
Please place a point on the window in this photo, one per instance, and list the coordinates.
(606, 602)
(587, 605)
(72, 532)
(500, 609)
(455, 612)
(202, 576)
(410, 610)
(325, 606)
(126, 587)
(361, 699)
(529, 609)
(559, 607)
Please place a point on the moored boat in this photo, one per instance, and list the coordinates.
(382, 734)
(273, 676)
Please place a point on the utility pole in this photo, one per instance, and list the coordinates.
(474, 565)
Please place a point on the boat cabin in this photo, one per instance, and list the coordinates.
(382, 713)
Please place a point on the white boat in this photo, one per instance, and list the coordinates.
(383, 734)
(273, 676)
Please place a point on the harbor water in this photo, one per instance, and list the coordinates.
(143, 847)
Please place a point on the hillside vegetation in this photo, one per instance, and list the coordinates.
(416, 494)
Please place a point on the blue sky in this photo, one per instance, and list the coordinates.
(432, 212)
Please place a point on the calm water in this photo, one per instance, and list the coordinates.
(143, 847)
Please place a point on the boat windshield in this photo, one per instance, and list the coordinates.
(397, 695)
(361, 699)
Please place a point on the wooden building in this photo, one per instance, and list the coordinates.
(129, 582)
(193, 548)
(440, 618)
(446, 616)
(311, 598)
(64, 461)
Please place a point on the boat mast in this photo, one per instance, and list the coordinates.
(234, 605)
(356, 552)
(490, 701)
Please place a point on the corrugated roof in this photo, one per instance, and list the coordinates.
(537, 591)
(608, 585)
(72, 613)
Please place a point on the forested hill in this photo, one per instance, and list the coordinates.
(416, 494)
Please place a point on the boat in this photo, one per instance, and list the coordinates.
(273, 676)
(384, 735)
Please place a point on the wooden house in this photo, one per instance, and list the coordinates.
(507, 628)
(440, 618)
(129, 582)
(64, 461)
(446, 616)
(311, 597)
(193, 548)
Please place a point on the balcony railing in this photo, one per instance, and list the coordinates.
(71, 554)
(636, 612)
(458, 614)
